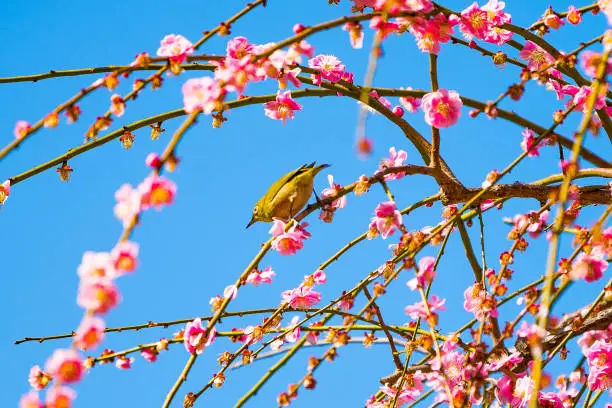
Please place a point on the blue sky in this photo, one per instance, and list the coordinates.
(193, 249)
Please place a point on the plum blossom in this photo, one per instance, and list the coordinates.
(529, 144)
(411, 389)
(535, 56)
(516, 393)
(590, 337)
(124, 363)
(30, 400)
(590, 61)
(606, 8)
(230, 292)
(332, 190)
(429, 33)
(38, 379)
(201, 94)
(193, 337)
(479, 302)
(425, 273)
(396, 159)
(60, 397)
(128, 204)
(329, 67)
(288, 243)
(256, 276)
(239, 47)
(124, 256)
(419, 310)
(355, 34)
(301, 297)
(176, 47)
(98, 295)
(385, 221)
(410, 103)
(283, 107)
(156, 191)
(573, 17)
(599, 359)
(150, 354)
(21, 129)
(581, 96)
(96, 265)
(294, 335)
(589, 267)
(90, 332)
(442, 108)
(65, 365)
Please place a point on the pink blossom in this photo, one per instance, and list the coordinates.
(256, 276)
(288, 243)
(479, 302)
(283, 107)
(535, 56)
(529, 144)
(124, 363)
(410, 103)
(442, 108)
(60, 397)
(329, 66)
(395, 7)
(96, 265)
(553, 21)
(606, 7)
(294, 335)
(301, 297)
(599, 359)
(419, 310)
(386, 219)
(124, 256)
(30, 400)
(98, 295)
(117, 106)
(194, 337)
(410, 389)
(201, 94)
(5, 191)
(65, 365)
(474, 22)
(355, 34)
(531, 332)
(549, 400)
(38, 379)
(239, 47)
(253, 334)
(332, 190)
(429, 33)
(590, 337)
(507, 361)
(396, 159)
(128, 204)
(175, 47)
(153, 161)
(589, 267)
(150, 354)
(90, 332)
(581, 97)
(574, 17)
(319, 277)
(234, 75)
(590, 61)
(21, 129)
(230, 292)
(425, 273)
(383, 27)
(156, 191)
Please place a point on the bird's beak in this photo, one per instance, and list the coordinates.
(253, 221)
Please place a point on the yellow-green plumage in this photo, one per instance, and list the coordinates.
(288, 195)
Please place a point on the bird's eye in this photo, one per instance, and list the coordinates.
(255, 210)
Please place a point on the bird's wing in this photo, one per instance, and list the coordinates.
(278, 184)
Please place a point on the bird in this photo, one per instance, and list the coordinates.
(287, 196)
